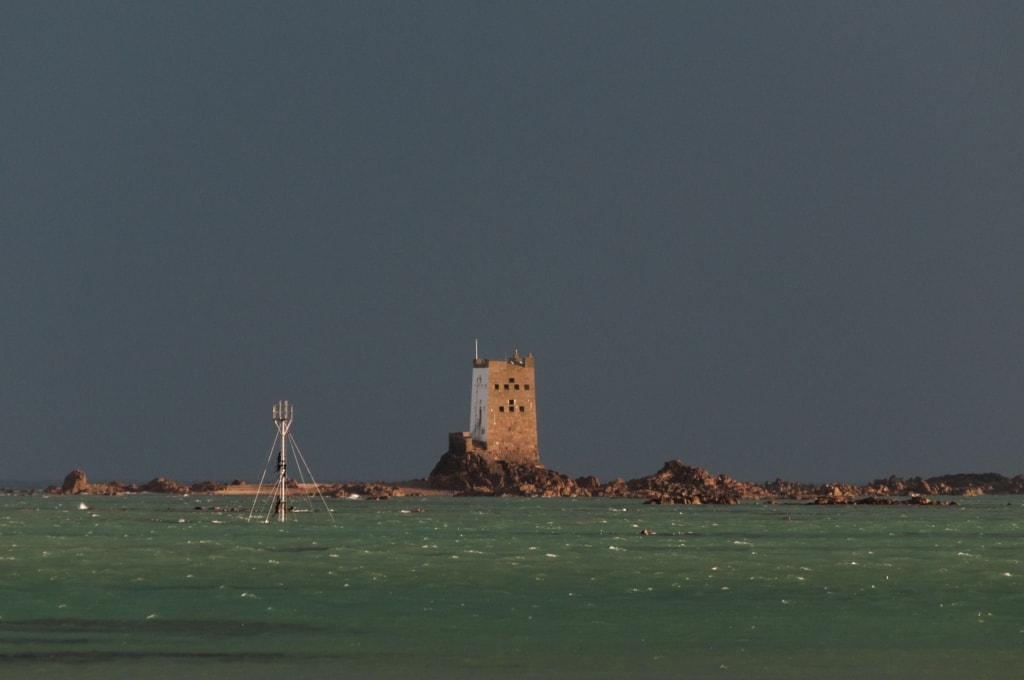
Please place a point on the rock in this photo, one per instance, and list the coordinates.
(207, 487)
(470, 474)
(162, 485)
(75, 482)
(680, 484)
(374, 491)
(113, 488)
(949, 485)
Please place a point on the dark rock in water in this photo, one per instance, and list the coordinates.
(162, 485)
(75, 482)
(879, 500)
(470, 474)
(679, 484)
(373, 491)
(114, 488)
(207, 487)
(672, 500)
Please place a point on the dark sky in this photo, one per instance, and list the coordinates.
(769, 239)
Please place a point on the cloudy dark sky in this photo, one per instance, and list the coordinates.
(769, 239)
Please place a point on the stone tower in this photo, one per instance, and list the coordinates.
(503, 411)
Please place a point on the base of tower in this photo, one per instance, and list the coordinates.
(461, 443)
(471, 474)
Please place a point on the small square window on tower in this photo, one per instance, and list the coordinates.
(511, 402)
(522, 409)
(501, 408)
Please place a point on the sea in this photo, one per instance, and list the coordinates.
(200, 587)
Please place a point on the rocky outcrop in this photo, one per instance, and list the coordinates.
(677, 483)
(113, 488)
(469, 474)
(989, 483)
(207, 487)
(373, 491)
(75, 482)
(163, 485)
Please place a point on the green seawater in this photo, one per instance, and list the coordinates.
(149, 586)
